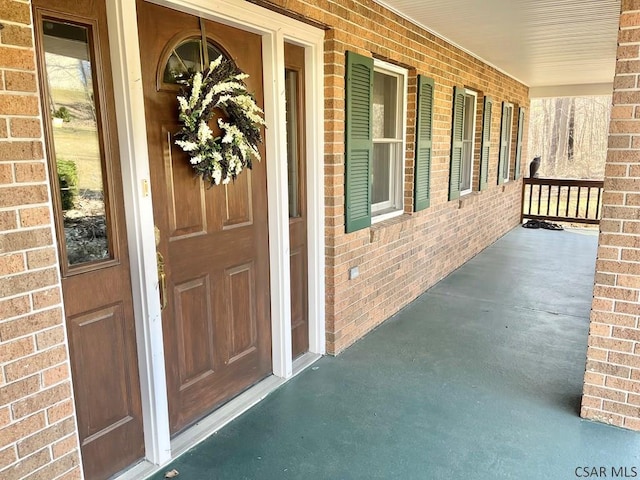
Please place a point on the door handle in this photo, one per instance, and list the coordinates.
(162, 281)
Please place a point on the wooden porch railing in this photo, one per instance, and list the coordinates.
(562, 200)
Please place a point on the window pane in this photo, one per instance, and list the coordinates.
(467, 155)
(185, 60)
(213, 52)
(291, 96)
(385, 93)
(469, 113)
(76, 142)
(381, 173)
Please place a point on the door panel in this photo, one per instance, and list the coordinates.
(192, 317)
(294, 93)
(216, 326)
(185, 193)
(91, 232)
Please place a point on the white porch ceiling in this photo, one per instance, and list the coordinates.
(553, 46)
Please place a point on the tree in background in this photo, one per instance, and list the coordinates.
(570, 135)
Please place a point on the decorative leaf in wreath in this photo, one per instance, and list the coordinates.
(221, 86)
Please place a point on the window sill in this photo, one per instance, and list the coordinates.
(468, 198)
(386, 215)
(390, 228)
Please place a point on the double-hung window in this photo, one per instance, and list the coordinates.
(506, 131)
(389, 120)
(376, 111)
(462, 141)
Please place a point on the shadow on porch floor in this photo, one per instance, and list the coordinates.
(479, 378)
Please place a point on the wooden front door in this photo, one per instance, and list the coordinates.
(214, 241)
(296, 166)
(82, 147)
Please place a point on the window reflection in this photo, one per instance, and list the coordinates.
(186, 59)
(291, 98)
(76, 143)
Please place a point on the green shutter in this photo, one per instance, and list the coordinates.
(485, 146)
(455, 169)
(358, 141)
(424, 131)
(516, 173)
(503, 161)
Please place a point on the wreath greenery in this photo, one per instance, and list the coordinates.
(220, 87)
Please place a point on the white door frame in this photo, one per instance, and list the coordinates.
(125, 56)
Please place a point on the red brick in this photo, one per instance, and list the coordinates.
(43, 257)
(16, 35)
(616, 293)
(607, 368)
(34, 217)
(30, 324)
(25, 128)
(49, 338)
(27, 465)
(26, 239)
(27, 282)
(41, 400)
(604, 393)
(622, 82)
(611, 344)
(64, 446)
(629, 19)
(30, 172)
(632, 423)
(16, 390)
(59, 411)
(8, 220)
(631, 227)
(16, 349)
(17, 12)
(35, 363)
(17, 58)
(12, 263)
(20, 81)
(14, 307)
(626, 308)
(19, 150)
(8, 456)
(55, 375)
(57, 467)
(624, 359)
(46, 298)
(19, 105)
(21, 429)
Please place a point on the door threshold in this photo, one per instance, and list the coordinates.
(219, 418)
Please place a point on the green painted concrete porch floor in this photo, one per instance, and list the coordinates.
(479, 378)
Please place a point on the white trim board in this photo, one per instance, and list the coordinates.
(125, 56)
(221, 417)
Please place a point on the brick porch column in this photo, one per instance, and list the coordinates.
(612, 378)
(38, 436)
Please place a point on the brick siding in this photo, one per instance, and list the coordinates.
(400, 258)
(38, 437)
(612, 378)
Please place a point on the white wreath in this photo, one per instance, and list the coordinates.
(220, 87)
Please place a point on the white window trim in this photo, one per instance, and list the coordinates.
(474, 94)
(507, 170)
(402, 75)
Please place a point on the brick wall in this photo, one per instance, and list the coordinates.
(37, 424)
(612, 378)
(400, 258)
